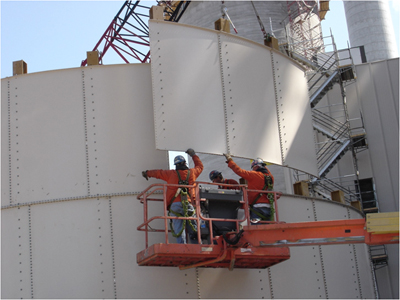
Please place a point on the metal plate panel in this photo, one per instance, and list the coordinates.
(341, 270)
(393, 67)
(72, 245)
(232, 94)
(250, 99)
(46, 134)
(235, 284)
(365, 271)
(326, 210)
(132, 280)
(16, 254)
(305, 262)
(302, 206)
(389, 120)
(299, 277)
(295, 121)
(338, 259)
(120, 128)
(187, 88)
(370, 101)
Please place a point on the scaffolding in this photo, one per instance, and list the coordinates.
(334, 132)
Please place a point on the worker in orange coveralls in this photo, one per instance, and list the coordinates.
(216, 177)
(260, 178)
(179, 199)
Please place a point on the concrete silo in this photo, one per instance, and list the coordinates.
(370, 25)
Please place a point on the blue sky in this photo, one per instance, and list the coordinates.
(51, 35)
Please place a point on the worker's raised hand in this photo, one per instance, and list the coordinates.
(228, 157)
(144, 174)
(190, 151)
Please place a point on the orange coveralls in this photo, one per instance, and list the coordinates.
(255, 181)
(171, 177)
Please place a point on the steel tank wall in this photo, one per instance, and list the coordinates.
(74, 143)
(369, 23)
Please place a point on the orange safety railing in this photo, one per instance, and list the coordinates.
(150, 193)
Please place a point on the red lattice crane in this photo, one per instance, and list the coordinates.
(128, 32)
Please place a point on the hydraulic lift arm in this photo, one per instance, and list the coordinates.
(376, 230)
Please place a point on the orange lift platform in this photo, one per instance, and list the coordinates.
(256, 246)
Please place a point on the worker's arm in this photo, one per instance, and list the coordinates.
(238, 170)
(159, 174)
(198, 166)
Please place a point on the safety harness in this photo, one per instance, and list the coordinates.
(268, 185)
(185, 205)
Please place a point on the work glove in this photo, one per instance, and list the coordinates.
(228, 157)
(144, 174)
(190, 151)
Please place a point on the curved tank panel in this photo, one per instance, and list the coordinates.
(87, 249)
(72, 133)
(235, 93)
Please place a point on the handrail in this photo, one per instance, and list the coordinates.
(145, 196)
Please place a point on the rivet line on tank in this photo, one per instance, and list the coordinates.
(86, 133)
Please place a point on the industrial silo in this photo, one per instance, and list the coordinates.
(370, 25)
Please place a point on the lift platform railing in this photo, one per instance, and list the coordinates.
(154, 190)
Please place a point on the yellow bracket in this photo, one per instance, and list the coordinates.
(381, 223)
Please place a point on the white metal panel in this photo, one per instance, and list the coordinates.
(372, 104)
(389, 122)
(251, 116)
(72, 249)
(299, 277)
(120, 128)
(187, 89)
(303, 207)
(235, 284)
(326, 210)
(307, 258)
(16, 253)
(229, 93)
(133, 281)
(343, 258)
(393, 67)
(365, 271)
(46, 135)
(295, 121)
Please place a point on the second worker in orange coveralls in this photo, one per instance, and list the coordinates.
(177, 204)
(260, 178)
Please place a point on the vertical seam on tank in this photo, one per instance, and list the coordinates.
(277, 106)
(153, 84)
(355, 261)
(9, 140)
(198, 283)
(30, 249)
(223, 93)
(86, 133)
(112, 247)
(270, 283)
(320, 254)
